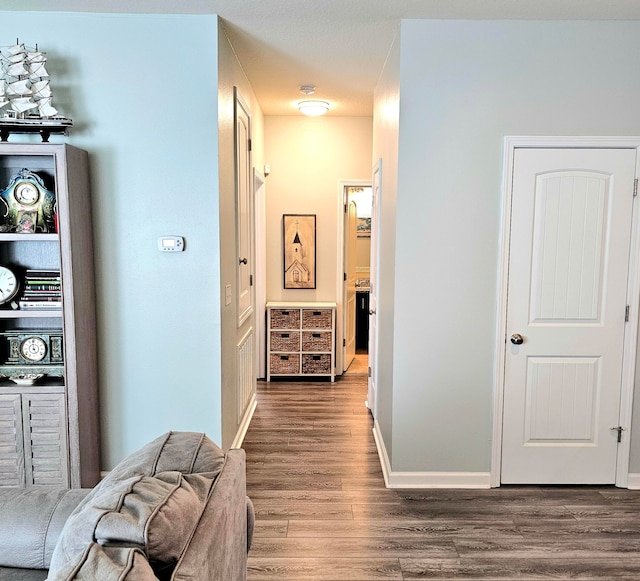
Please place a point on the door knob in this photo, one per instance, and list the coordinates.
(372, 311)
(517, 339)
(243, 261)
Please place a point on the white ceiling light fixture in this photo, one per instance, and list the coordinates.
(313, 108)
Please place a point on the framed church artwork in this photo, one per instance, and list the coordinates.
(299, 248)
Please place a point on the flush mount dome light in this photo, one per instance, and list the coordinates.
(313, 108)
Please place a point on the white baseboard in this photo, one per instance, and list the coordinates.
(633, 483)
(244, 424)
(426, 479)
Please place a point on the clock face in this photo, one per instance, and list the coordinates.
(26, 193)
(8, 285)
(33, 349)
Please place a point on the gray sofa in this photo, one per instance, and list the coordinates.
(176, 509)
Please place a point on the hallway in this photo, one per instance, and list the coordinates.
(324, 514)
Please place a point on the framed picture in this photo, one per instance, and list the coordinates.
(27, 220)
(299, 248)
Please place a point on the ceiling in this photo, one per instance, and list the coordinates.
(338, 45)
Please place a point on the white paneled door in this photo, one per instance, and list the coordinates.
(566, 304)
(374, 279)
(351, 274)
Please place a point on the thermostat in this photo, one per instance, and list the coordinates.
(171, 243)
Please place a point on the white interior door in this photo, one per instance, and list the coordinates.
(244, 211)
(351, 239)
(567, 288)
(373, 292)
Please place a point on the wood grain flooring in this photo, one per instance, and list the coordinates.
(324, 514)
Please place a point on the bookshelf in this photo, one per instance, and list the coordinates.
(49, 423)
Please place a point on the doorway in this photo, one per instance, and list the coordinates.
(357, 198)
(567, 342)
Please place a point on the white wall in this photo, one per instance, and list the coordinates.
(464, 86)
(230, 75)
(154, 170)
(308, 157)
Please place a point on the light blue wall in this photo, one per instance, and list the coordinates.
(142, 91)
(464, 86)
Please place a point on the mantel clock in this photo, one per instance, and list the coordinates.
(30, 206)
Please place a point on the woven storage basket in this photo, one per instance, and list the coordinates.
(320, 341)
(285, 318)
(281, 341)
(316, 363)
(284, 364)
(316, 319)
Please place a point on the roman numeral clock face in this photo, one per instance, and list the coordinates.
(8, 285)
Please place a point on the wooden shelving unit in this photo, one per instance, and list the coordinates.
(301, 339)
(49, 431)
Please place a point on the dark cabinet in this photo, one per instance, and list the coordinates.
(362, 320)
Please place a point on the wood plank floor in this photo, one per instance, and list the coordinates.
(324, 514)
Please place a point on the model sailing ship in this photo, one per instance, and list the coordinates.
(25, 93)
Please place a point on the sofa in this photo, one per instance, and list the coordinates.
(174, 510)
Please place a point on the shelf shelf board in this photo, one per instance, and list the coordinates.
(23, 314)
(13, 237)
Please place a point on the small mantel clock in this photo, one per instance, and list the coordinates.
(30, 206)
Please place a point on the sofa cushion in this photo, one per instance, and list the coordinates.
(145, 504)
(158, 515)
(107, 564)
(32, 519)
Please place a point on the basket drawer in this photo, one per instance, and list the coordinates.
(285, 341)
(320, 341)
(285, 318)
(317, 318)
(316, 364)
(284, 364)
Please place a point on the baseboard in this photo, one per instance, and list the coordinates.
(382, 453)
(469, 480)
(633, 483)
(244, 424)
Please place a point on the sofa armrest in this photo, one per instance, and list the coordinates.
(251, 522)
(32, 519)
(218, 548)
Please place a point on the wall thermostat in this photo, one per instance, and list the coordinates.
(171, 243)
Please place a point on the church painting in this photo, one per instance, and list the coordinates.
(299, 245)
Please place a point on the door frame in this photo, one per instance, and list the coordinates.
(260, 269)
(341, 262)
(511, 143)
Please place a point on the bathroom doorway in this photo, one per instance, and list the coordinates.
(357, 255)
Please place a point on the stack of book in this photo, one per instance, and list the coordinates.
(42, 290)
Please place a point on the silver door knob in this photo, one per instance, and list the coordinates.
(372, 311)
(517, 339)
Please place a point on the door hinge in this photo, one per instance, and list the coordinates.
(250, 280)
(344, 342)
(345, 276)
(635, 187)
(626, 314)
(368, 371)
(249, 144)
(345, 208)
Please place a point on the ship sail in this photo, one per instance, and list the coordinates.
(25, 91)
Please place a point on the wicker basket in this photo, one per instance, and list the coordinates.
(284, 364)
(285, 318)
(316, 319)
(320, 341)
(317, 364)
(287, 342)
